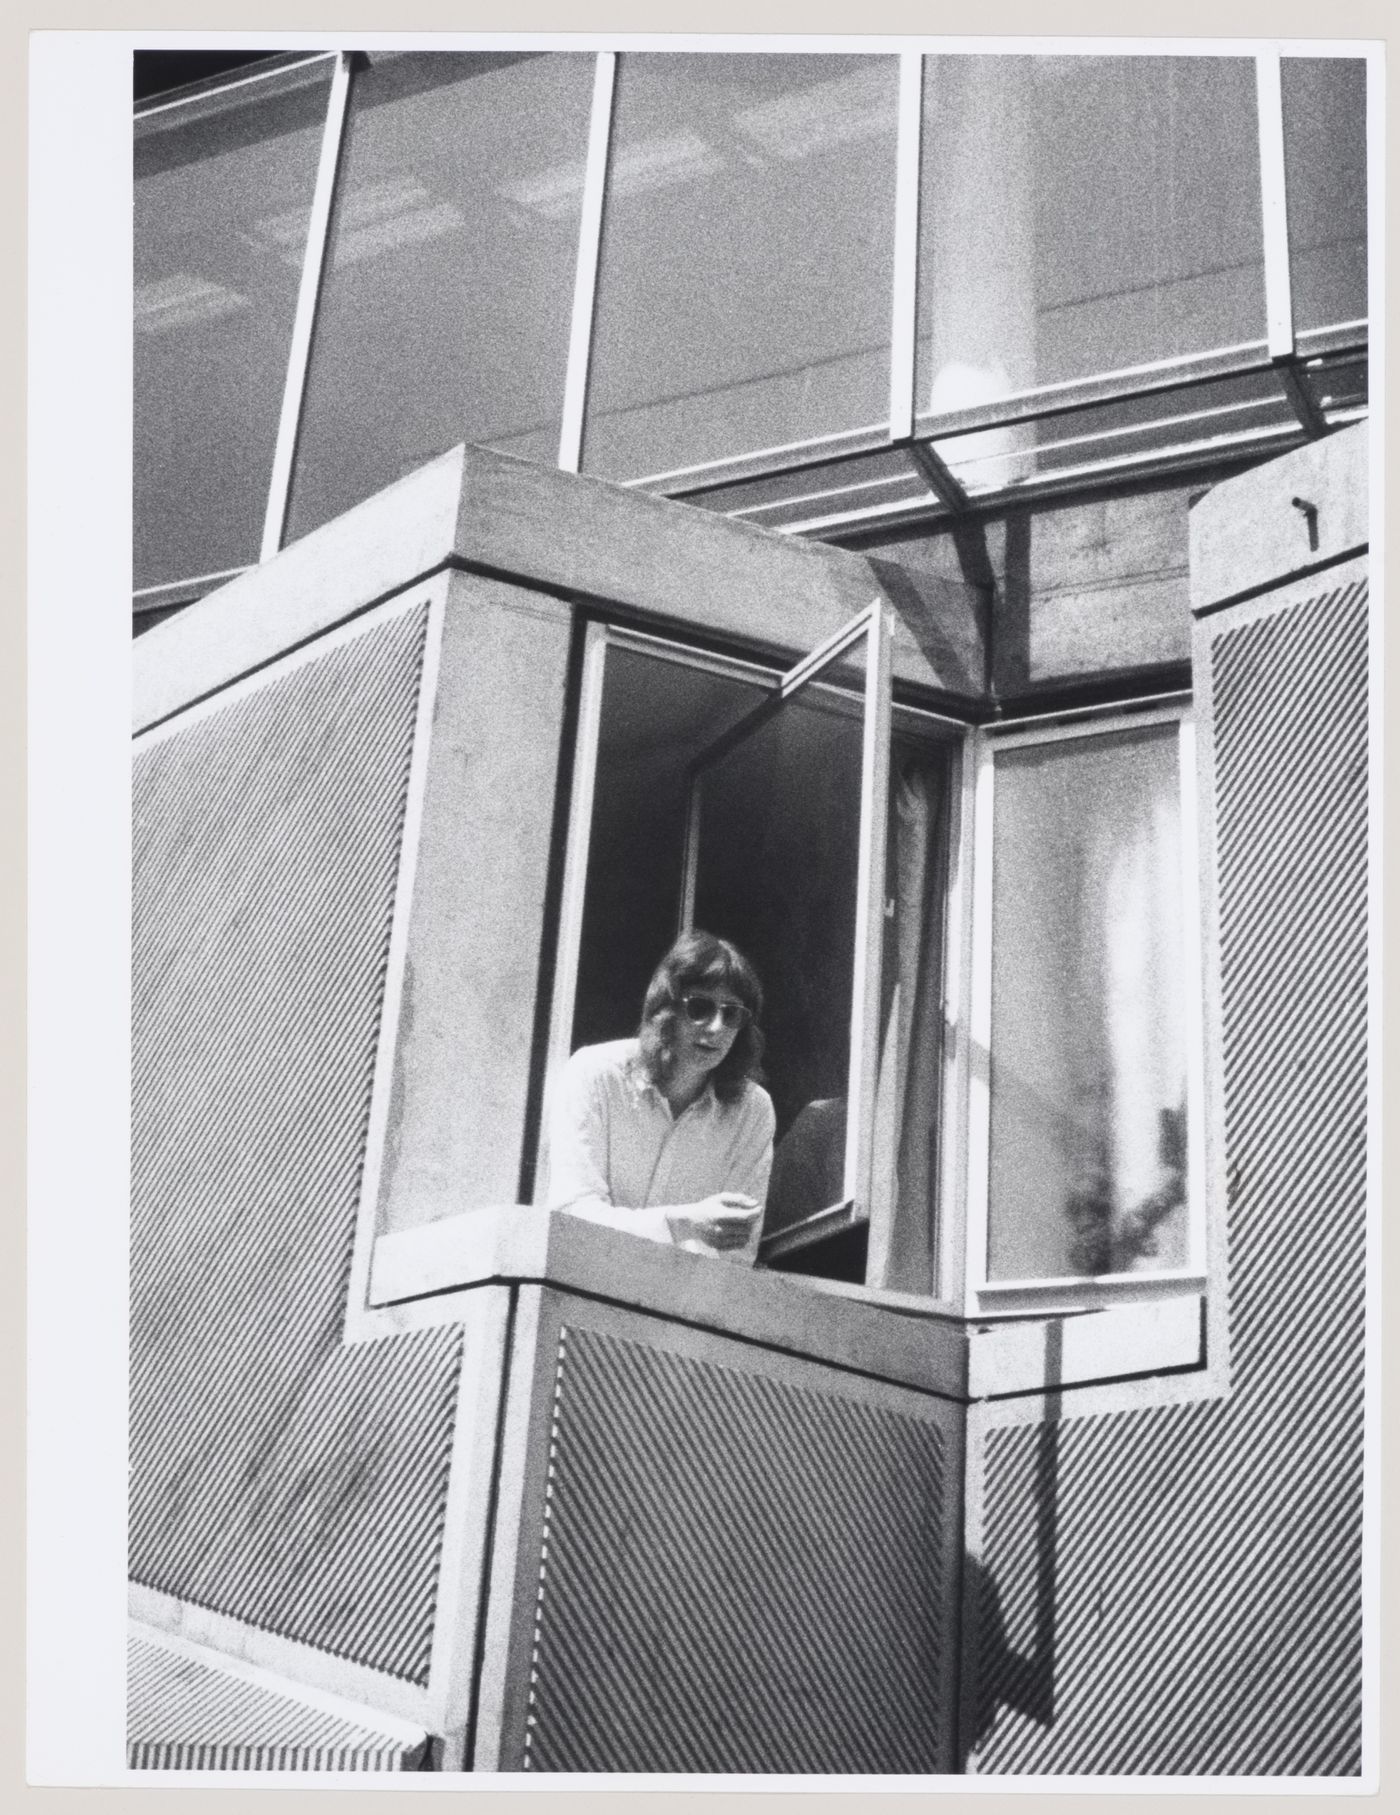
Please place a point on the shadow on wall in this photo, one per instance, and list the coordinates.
(914, 597)
(1001, 1675)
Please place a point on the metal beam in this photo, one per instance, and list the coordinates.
(931, 465)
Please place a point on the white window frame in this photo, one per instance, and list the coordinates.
(870, 629)
(966, 1177)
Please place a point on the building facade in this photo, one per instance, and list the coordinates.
(907, 513)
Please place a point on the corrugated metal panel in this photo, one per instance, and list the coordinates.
(185, 1715)
(1178, 1591)
(276, 1476)
(736, 1574)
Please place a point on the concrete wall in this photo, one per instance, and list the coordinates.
(349, 773)
(347, 846)
(279, 1477)
(716, 1555)
(1178, 1589)
(1075, 592)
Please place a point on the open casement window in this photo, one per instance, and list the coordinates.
(785, 844)
(1084, 1180)
(805, 817)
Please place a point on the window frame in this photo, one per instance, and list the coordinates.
(207, 101)
(872, 627)
(963, 1261)
(1286, 354)
(958, 1207)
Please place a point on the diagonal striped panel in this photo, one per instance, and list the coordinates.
(183, 1714)
(1178, 1590)
(276, 1476)
(736, 1574)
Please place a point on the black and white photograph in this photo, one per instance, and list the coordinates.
(753, 858)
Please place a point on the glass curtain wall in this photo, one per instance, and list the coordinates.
(1084, 223)
(1081, 217)
(743, 297)
(1084, 215)
(1324, 134)
(445, 308)
(223, 188)
(1324, 143)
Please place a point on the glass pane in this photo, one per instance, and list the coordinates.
(445, 314)
(779, 824)
(1088, 1049)
(744, 283)
(1081, 215)
(1324, 147)
(912, 1017)
(222, 200)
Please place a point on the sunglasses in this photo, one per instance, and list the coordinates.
(702, 1009)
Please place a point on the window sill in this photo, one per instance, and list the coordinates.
(889, 1336)
(1102, 1292)
(1060, 1349)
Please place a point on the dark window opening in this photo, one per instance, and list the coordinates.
(777, 835)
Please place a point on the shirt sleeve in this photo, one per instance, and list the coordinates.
(753, 1155)
(578, 1139)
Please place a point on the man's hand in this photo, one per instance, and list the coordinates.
(716, 1224)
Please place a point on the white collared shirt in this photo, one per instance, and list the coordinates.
(613, 1139)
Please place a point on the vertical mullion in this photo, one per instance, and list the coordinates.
(577, 841)
(906, 246)
(979, 1026)
(1193, 980)
(590, 235)
(950, 1282)
(870, 924)
(299, 354)
(1278, 283)
(690, 869)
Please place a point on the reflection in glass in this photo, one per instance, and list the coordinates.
(776, 872)
(1324, 148)
(912, 1023)
(1082, 215)
(445, 312)
(1088, 1051)
(223, 192)
(744, 282)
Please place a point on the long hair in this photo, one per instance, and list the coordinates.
(701, 961)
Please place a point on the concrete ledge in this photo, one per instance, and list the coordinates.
(902, 1343)
(1042, 1354)
(572, 536)
(191, 1708)
(526, 1245)
(377, 549)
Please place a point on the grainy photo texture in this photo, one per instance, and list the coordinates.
(750, 985)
